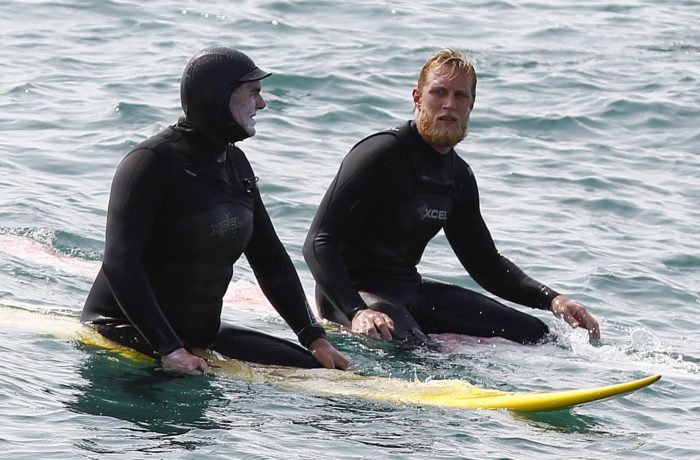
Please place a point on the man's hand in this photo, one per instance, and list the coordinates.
(373, 323)
(327, 355)
(182, 361)
(575, 314)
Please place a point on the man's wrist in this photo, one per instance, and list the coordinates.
(355, 310)
(545, 297)
(167, 349)
(310, 334)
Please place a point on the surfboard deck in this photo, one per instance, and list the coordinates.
(451, 393)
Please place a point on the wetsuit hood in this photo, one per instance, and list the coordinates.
(207, 82)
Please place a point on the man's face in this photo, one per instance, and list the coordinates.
(245, 101)
(443, 106)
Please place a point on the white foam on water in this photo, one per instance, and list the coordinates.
(32, 252)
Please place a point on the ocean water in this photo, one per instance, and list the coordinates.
(585, 141)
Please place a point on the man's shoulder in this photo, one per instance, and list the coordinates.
(155, 151)
(387, 142)
(384, 138)
(153, 142)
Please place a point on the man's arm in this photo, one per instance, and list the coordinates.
(280, 283)
(138, 192)
(472, 242)
(362, 180)
(277, 276)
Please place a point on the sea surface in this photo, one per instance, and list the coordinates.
(585, 141)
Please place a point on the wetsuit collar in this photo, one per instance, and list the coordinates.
(212, 145)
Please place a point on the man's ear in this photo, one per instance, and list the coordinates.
(416, 98)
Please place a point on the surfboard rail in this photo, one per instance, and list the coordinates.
(451, 393)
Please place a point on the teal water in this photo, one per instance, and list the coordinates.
(585, 144)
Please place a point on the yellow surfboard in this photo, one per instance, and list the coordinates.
(445, 393)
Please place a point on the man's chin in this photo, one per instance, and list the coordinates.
(447, 139)
(440, 137)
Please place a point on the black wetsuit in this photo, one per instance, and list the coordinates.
(393, 193)
(177, 222)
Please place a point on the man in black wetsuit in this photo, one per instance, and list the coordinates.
(184, 206)
(392, 194)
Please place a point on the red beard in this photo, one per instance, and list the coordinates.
(441, 138)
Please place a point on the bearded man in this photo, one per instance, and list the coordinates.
(393, 193)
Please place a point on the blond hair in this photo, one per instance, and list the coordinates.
(453, 60)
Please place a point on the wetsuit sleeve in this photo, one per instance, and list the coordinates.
(139, 188)
(278, 278)
(472, 242)
(363, 178)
